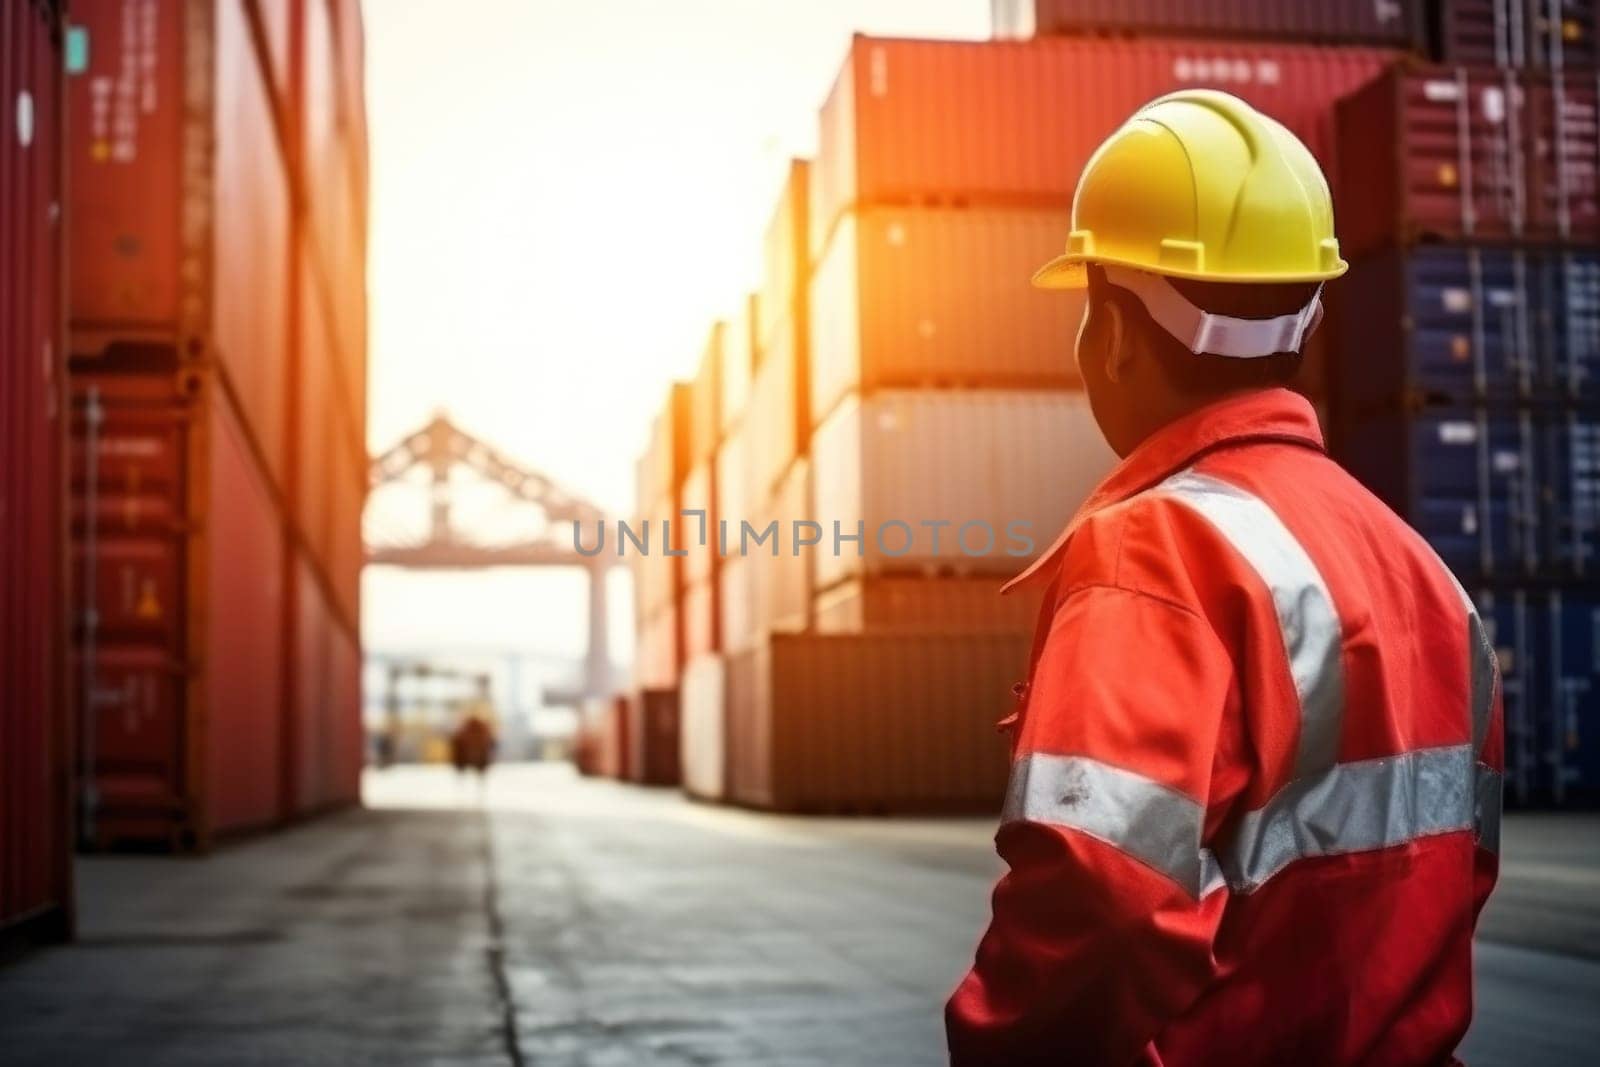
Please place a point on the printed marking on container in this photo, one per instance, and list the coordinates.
(24, 118)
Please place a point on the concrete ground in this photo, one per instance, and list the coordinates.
(559, 921)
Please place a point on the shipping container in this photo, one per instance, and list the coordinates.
(701, 610)
(1399, 23)
(653, 733)
(742, 612)
(696, 523)
(658, 654)
(1466, 479)
(914, 604)
(1461, 152)
(1569, 485)
(1551, 34)
(605, 747)
(705, 399)
(665, 461)
(952, 482)
(960, 123)
(871, 723)
(35, 732)
(786, 254)
(911, 297)
(702, 732)
(217, 333)
(1455, 323)
(777, 427)
(738, 365)
(1545, 639)
(785, 569)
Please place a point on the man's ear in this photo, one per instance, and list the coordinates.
(1118, 352)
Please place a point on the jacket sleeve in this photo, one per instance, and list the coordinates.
(1102, 928)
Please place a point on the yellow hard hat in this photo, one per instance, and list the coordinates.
(1198, 184)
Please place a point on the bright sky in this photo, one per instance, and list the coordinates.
(564, 195)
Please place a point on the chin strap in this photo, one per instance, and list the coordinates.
(1217, 335)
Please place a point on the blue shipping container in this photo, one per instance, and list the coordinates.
(1463, 323)
(1548, 645)
(1571, 477)
(1466, 480)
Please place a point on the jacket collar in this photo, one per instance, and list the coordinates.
(1259, 415)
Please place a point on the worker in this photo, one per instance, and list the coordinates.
(472, 745)
(1254, 801)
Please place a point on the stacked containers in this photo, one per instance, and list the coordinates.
(1399, 23)
(35, 735)
(216, 308)
(658, 565)
(1469, 341)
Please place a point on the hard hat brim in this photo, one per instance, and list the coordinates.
(1063, 272)
(1070, 271)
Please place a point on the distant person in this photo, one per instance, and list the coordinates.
(1254, 807)
(472, 745)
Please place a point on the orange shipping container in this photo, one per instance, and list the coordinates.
(738, 365)
(904, 604)
(705, 398)
(658, 654)
(940, 297)
(872, 723)
(786, 253)
(778, 425)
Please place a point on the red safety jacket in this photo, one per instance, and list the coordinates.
(1255, 798)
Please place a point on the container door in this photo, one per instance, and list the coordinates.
(1575, 696)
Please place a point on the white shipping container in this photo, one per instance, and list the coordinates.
(738, 363)
(910, 297)
(702, 737)
(742, 611)
(1004, 470)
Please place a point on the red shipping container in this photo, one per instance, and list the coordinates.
(1547, 34)
(948, 122)
(653, 733)
(1389, 22)
(35, 734)
(179, 198)
(939, 297)
(871, 723)
(1469, 153)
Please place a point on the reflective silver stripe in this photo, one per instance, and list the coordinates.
(1153, 823)
(1306, 615)
(1356, 807)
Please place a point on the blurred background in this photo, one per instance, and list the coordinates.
(360, 363)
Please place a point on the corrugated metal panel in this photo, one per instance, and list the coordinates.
(900, 460)
(1399, 23)
(1466, 480)
(653, 732)
(946, 122)
(872, 723)
(241, 612)
(702, 740)
(35, 735)
(935, 296)
(1552, 34)
(902, 604)
(1469, 152)
(1573, 675)
(786, 252)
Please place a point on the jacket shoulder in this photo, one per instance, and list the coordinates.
(1147, 544)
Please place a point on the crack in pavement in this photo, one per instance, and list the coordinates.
(509, 1036)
